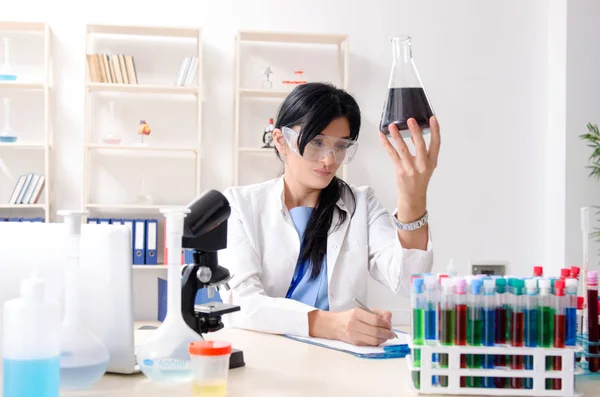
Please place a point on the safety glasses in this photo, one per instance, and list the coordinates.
(343, 150)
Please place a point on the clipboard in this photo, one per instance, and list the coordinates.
(394, 348)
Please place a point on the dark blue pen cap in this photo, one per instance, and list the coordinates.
(418, 284)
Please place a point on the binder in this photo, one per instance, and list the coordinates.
(151, 241)
(92, 220)
(116, 221)
(139, 247)
(162, 299)
(104, 221)
(129, 224)
(13, 219)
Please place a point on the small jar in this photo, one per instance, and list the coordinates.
(210, 367)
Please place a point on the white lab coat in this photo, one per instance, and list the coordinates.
(263, 248)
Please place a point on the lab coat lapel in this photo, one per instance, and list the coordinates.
(336, 239)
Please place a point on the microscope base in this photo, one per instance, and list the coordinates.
(237, 359)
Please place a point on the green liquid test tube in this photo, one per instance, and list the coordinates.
(418, 326)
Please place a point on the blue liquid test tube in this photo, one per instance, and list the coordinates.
(489, 326)
(531, 325)
(571, 309)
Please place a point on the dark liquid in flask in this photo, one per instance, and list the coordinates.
(403, 104)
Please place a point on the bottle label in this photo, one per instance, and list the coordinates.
(168, 364)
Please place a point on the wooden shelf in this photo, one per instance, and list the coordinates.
(159, 31)
(263, 93)
(143, 89)
(288, 37)
(24, 206)
(23, 26)
(140, 148)
(23, 145)
(18, 85)
(132, 206)
(257, 150)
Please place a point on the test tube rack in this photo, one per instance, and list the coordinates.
(428, 369)
(584, 355)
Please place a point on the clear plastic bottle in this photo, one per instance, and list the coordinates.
(164, 358)
(7, 134)
(406, 97)
(31, 343)
(83, 356)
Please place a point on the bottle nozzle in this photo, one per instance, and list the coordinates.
(72, 219)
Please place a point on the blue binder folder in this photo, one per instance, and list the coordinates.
(151, 241)
(139, 247)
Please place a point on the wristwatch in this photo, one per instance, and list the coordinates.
(409, 227)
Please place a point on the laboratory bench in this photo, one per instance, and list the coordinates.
(281, 367)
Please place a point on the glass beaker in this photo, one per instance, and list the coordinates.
(406, 97)
(6, 72)
(7, 134)
(83, 356)
(112, 134)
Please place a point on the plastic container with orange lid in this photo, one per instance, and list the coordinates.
(210, 367)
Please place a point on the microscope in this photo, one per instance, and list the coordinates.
(205, 232)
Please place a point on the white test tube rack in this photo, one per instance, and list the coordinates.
(454, 372)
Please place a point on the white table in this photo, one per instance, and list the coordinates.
(280, 367)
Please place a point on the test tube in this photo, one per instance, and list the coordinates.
(489, 325)
(431, 303)
(531, 324)
(417, 299)
(565, 273)
(571, 311)
(517, 328)
(475, 330)
(538, 271)
(546, 322)
(460, 320)
(592, 318)
(446, 324)
(501, 316)
(560, 323)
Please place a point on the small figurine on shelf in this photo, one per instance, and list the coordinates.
(144, 129)
(268, 135)
(267, 83)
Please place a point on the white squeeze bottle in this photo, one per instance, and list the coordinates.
(31, 343)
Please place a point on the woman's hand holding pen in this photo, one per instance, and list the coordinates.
(354, 326)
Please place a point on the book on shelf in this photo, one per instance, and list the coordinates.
(112, 68)
(187, 71)
(28, 189)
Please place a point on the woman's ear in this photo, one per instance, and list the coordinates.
(279, 141)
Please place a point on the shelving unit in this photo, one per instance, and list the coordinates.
(144, 91)
(44, 86)
(243, 37)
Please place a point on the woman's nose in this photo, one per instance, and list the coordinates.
(328, 159)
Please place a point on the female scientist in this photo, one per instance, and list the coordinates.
(300, 247)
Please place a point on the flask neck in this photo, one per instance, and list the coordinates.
(401, 50)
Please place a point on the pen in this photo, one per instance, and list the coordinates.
(365, 308)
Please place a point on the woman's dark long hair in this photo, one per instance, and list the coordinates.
(313, 106)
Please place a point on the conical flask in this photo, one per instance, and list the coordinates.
(164, 357)
(6, 71)
(83, 356)
(406, 97)
(7, 134)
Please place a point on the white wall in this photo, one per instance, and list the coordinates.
(583, 106)
(484, 64)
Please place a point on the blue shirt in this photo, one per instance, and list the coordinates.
(303, 289)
